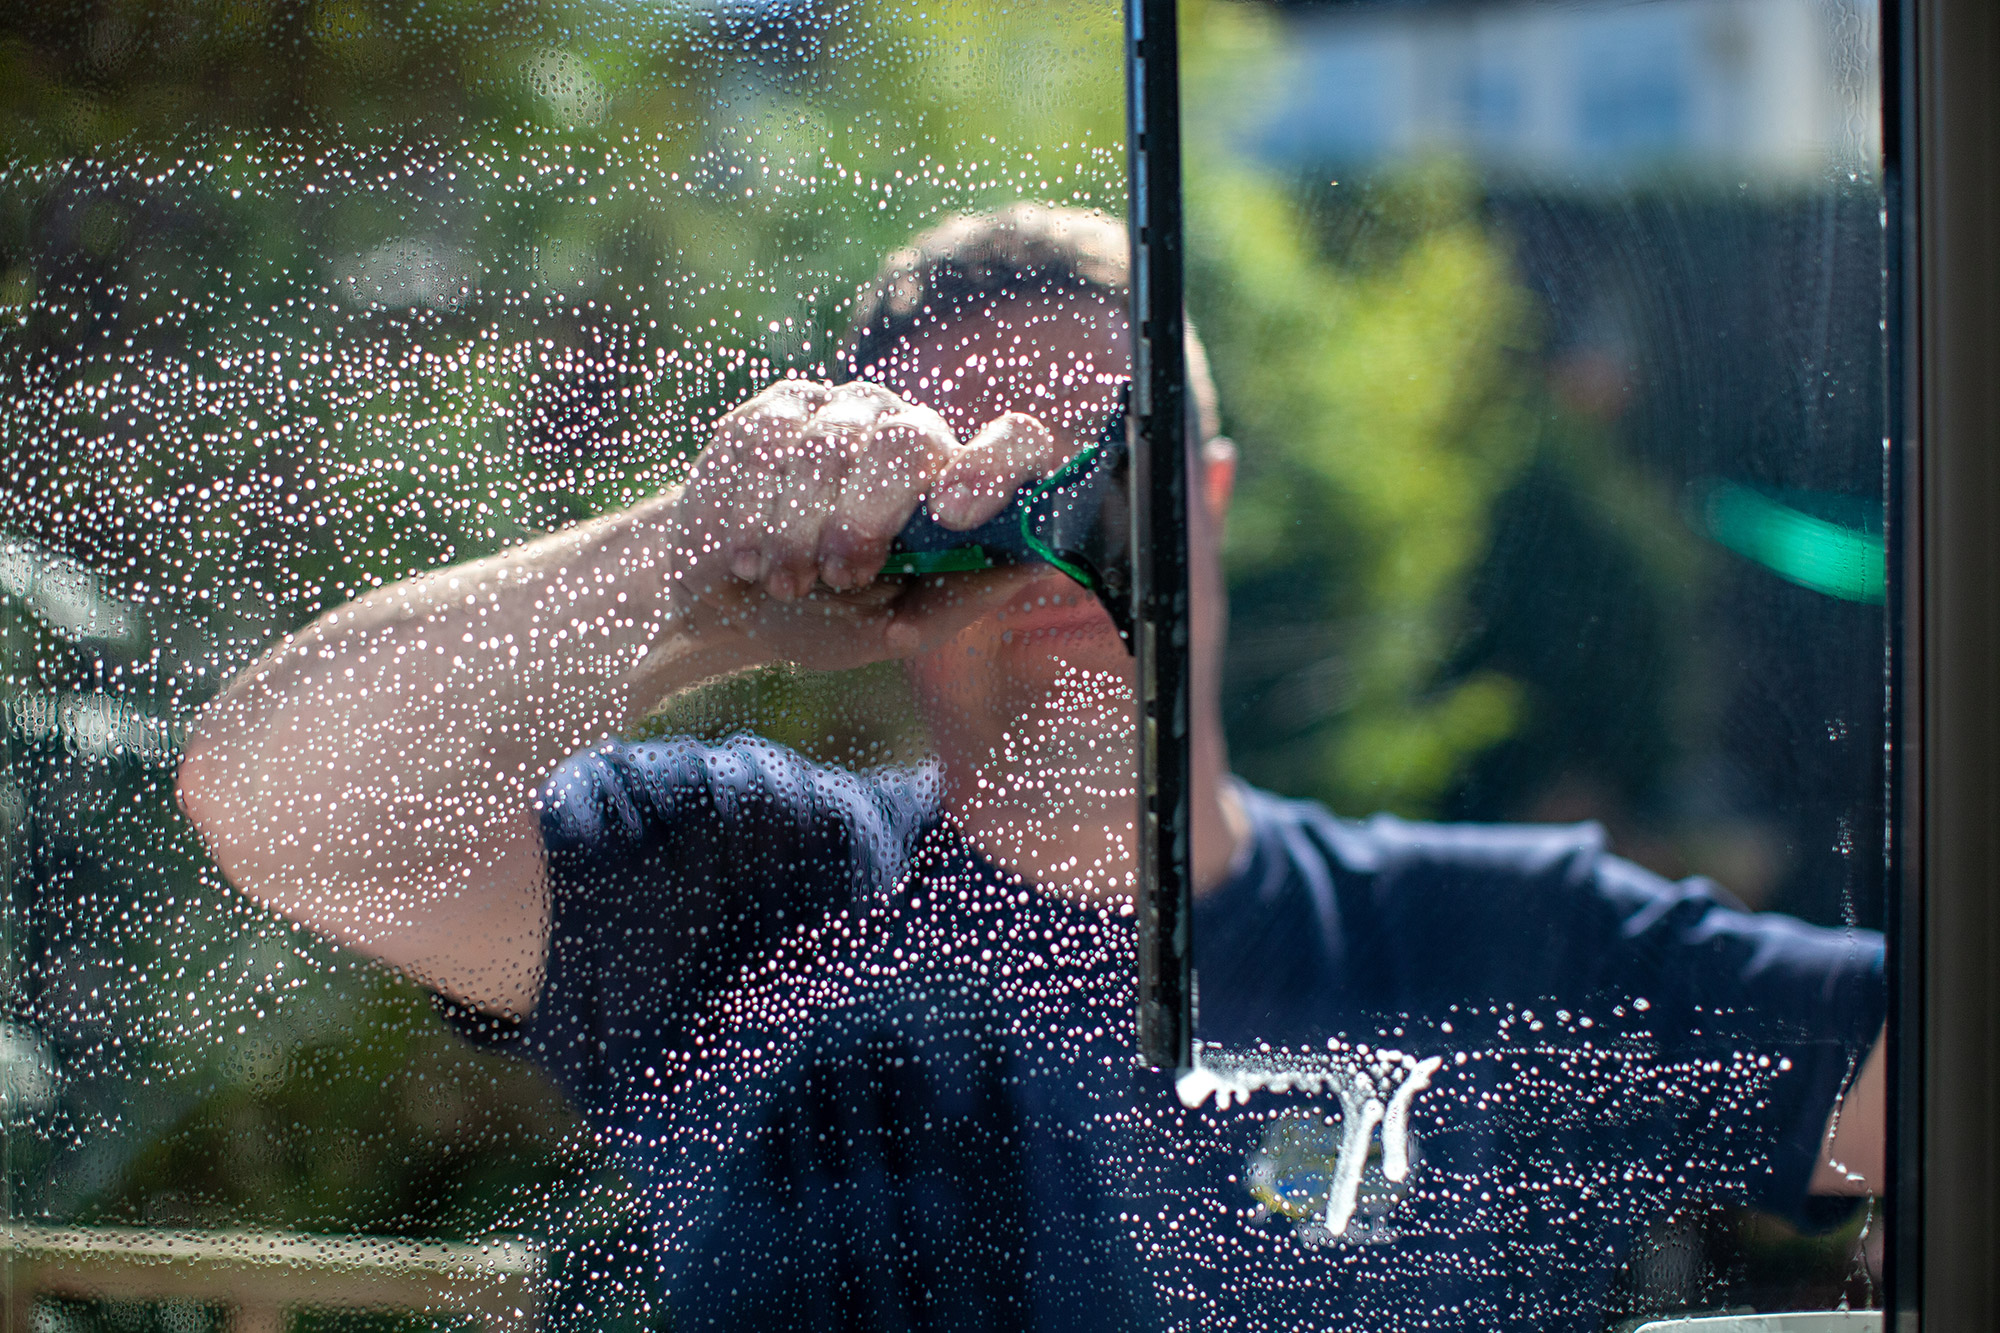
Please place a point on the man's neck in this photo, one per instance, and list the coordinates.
(1052, 795)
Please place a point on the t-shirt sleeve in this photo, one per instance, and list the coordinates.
(674, 866)
(1392, 917)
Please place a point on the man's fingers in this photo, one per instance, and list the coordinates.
(828, 447)
(754, 506)
(797, 399)
(747, 460)
(809, 488)
(808, 483)
(893, 466)
(981, 479)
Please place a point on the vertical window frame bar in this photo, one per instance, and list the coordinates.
(1944, 1188)
(1159, 451)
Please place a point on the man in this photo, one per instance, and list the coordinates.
(863, 1038)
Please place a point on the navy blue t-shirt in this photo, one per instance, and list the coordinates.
(863, 1079)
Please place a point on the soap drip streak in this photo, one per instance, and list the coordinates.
(1359, 1080)
(1360, 1112)
(1396, 1123)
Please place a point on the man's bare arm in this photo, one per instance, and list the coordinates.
(372, 777)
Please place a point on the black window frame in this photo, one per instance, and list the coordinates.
(1941, 109)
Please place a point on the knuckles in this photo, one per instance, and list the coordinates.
(855, 455)
(905, 435)
(1021, 423)
(865, 391)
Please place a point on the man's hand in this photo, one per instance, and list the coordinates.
(786, 519)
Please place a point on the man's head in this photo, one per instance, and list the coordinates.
(1026, 253)
(1025, 310)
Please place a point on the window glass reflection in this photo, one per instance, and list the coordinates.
(1547, 343)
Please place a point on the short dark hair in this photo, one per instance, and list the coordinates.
(1024, 249)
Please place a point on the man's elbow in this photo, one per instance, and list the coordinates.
(1854, 1149)
(212, 794)
(197, 780)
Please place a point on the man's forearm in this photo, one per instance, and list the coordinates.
(527, 650)
(371, 776)
(391, 747)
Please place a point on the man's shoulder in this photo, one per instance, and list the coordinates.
(1520, 908)
(627, 794)
(1290, 837)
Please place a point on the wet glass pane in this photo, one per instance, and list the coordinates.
(1535, 938)
(508, 823)
(493, 835)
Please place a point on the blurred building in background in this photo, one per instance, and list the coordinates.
(1768, 91)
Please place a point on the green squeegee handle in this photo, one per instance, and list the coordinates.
(1076, 520)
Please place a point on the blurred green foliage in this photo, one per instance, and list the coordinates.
(1384, 372)
(1378, 401)
(1374, 355)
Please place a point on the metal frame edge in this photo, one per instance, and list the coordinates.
(1165, 1009)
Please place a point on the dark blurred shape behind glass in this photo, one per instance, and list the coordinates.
(1550, 340)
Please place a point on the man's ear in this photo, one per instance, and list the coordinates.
(1218, 475)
